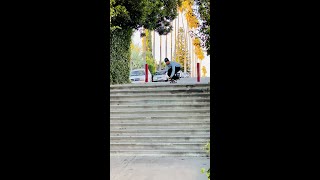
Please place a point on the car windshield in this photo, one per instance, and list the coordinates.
(160, 72)
(137, 73)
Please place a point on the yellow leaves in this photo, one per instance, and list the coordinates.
(199, 53)
(192, 20)
(196, 42)
(198, 49)
(184, 5)
(204, 71)
(134, 47)
(144, 43)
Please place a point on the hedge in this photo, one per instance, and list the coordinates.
(120, 40)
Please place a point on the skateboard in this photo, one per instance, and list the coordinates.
(173, 81)
(175, 78)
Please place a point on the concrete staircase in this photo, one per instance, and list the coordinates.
(159, 120)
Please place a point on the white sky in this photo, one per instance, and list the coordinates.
(137, 40)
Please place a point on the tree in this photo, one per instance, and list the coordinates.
(203, 11)
(160, 65)
(192, 19)
(163, 65)
(149, 14)
(198, 49)
(149, 57)
(181, 54)
(114, 11)
(198, 19)
(126, 15)
(136, 59)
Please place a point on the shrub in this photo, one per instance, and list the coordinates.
(120, 40)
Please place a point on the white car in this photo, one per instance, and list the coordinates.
(160, 76)
(185, 75)
(139, 76)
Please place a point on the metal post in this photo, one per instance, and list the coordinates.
(198, 72)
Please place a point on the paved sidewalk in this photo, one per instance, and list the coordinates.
(182, 81)
(158, 168)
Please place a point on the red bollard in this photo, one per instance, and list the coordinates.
(198, 72)
(147, 74)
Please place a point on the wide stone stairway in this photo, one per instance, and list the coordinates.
(159, 119)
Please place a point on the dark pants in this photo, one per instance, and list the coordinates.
(177, 69)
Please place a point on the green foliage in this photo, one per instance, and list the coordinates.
(126, 15)
(148, 40)
(163, 65)
(207, 148)
(203, 12)
(149, 57)
(203, 170)
(150, 14)
(136, 59)
(120, 40)
(115, 10)
(151, 62)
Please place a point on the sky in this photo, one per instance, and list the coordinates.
(137, 41)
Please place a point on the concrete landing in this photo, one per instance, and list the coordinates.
(182, 81)
(158, 168)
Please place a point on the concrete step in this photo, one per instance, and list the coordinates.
(159, 106)
(163, 117)
(162, 132)
(159, 139)
(158, 86)
(168, 121)
(160, 125)
(159, 153)
(163, 100)
(159, 119)
(148, 113)
(159, 91)
(156, 146)
(161, 96)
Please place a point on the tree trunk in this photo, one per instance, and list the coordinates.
(154, 47)
(175, 39)
(177, 42)
(160, 53)
(144, 47)
(171, 43)
(166, 46)
(192, 54)
(186, 44)
(185, 58)
(154, 43)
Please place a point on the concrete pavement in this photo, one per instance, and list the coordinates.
(155, 167)
(187, 81)
(158, 168)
